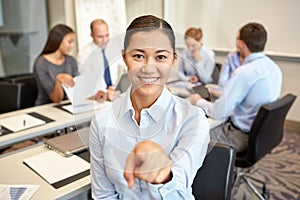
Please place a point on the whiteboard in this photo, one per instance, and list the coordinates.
(221, 19)
(112, 11)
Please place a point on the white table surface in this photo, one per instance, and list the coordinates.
(62, 119)
(13, 171)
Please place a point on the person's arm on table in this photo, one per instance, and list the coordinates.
(57, 93)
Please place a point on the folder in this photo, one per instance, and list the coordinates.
(57, 169)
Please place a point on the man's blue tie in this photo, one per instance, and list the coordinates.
(106, 71)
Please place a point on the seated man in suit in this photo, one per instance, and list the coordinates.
(255, 83)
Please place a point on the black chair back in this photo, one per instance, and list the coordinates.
(214, 179)
(266, 131)
(29, 92)
(10, 99)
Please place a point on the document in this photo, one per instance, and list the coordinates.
(20, 122)
(180, 88)
(85, 106)
(85, 86)
(17, 192)
(54, 167)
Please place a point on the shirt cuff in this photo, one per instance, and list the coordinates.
(202, 104)
(163, 191)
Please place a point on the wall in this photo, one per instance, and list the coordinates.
(221, 19)
(22, 34)
(113, 12)
(62, 11)
(142, 7)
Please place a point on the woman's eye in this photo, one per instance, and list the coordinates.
(161, 57)
(138, 56)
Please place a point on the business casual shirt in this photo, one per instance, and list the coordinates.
(45, 74)
(180, 128)
(90, 59)
(231, 63)
(255, 83)
(188, 66)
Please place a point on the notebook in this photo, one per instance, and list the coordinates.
(65, 169)
(184, 89)
(70, 143)
(202, 90)
(21, 122)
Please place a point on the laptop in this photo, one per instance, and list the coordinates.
(202, 90)
(70, 143)
(184, 89)
(124, 83)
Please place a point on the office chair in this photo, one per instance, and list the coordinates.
(29, 90)
(214, 179)
(10, 96)
(265, 134)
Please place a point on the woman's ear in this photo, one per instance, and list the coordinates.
(175, 56)
(123, 55)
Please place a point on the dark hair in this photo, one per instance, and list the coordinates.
(56, 35)
(195, 33)
(149, 23)
(255, 36)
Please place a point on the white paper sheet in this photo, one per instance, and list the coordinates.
(85, 87)
(54, 167)
(17, 192)
(20, 122)
(87, 105)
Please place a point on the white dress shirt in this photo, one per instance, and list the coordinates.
(188, 66)
(256, 82)
(181, 129)
(90, 59)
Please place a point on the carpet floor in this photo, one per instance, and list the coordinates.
(280, 170)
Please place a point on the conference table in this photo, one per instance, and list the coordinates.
(62, 119)
(13, 171)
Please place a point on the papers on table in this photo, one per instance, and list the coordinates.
(17, 192)
(85, 86)
(213, 86)
(54, 167)
(21, 122)
(181, 88)
(87, 105)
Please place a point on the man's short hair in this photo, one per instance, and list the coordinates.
(97, 21)
(254, 35)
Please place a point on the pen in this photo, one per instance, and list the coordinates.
(24, 122)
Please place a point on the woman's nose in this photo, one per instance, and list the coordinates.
(148, 68)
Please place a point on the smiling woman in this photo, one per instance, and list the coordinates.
(54, 67)
(149, 68)
(148, 143)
